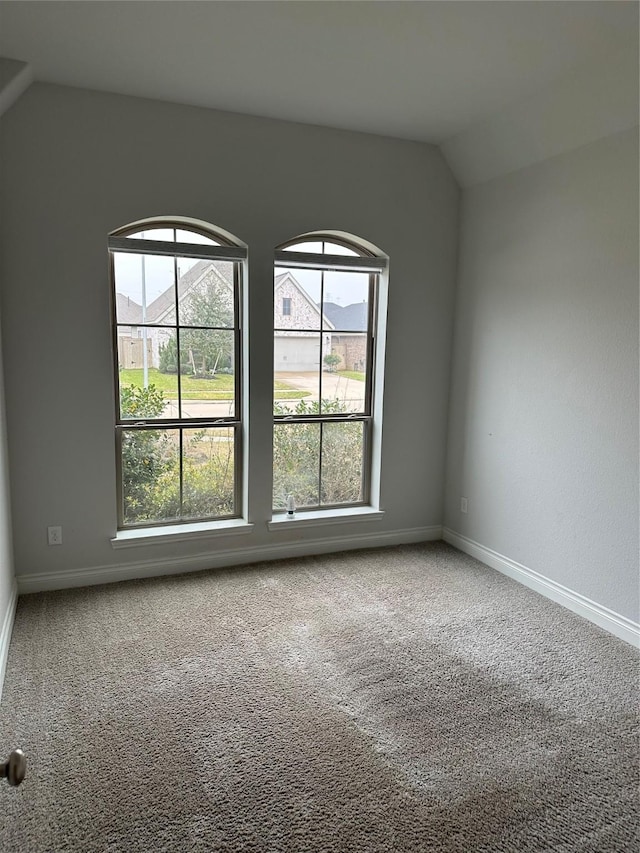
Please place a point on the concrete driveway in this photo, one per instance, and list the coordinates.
(334, 387)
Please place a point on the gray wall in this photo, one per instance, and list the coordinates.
(6, 550)
(543, 432)
(8, 71)
(77, 164)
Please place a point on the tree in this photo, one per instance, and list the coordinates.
(143, 452)
(208, 303)
(296, 457)
(151, 469)
(203, 351)
(168, 358)
(208, 473)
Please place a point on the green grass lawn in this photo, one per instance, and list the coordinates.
(352, 374)
(220, 388)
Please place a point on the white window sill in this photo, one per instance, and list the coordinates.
(179, 532)
(317, 518)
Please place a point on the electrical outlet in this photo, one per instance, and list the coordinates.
(54, 535)
(463, 504)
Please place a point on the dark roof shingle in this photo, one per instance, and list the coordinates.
(350, 318)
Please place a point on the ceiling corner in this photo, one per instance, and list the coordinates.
(15, 78)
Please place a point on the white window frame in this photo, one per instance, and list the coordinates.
(376, 265)
(121, 241)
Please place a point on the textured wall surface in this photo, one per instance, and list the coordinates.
(6, 550)
(543, 433)
(78, 164)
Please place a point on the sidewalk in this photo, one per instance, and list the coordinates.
(334, 387)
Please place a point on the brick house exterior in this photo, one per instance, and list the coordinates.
(349, 340)
(293, 308)
(296, 348)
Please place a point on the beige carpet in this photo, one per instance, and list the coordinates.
(404, 699)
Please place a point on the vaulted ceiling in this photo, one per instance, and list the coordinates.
(427, 71)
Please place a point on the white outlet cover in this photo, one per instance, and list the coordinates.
(54, 535)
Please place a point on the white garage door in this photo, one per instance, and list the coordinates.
(296, 354)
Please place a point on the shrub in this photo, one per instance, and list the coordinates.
(331, 361)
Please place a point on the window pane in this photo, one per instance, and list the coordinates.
(296, 372)
(131, 347)
(342, 454)
(205, 291)
(153, 234)
(207, 373)
(193, 237)
(144, 286)
(337, 249)
(148, 387)
(150, 475)
(346, 301)
(344, 374)
(208, 472)
(299, 292)
(314, 246)
(296, 451)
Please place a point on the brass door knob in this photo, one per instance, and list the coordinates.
(15, 768)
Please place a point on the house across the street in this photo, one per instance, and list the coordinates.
(302, 331)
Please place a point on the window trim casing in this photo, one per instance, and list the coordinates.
(119, 241)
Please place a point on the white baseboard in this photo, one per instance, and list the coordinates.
(613, 622)
(221, 559)
(5, 632)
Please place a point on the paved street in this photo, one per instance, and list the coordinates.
(334, 386)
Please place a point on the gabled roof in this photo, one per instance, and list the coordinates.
(352, 318)
(163, 304)
(287, 277)
(128, 312)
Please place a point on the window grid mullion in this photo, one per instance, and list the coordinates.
(320, 406)
(372, 313)
(237, 356)
(180, 432)
(314, 419)
(321, 339)
(320, 465)
(202, 423)
(365, 479)
(180, 511)
(119, 483)
(237, 469)
(178, 361)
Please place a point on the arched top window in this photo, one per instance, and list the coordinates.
(324, 244)
(180, 231)
(176, 343)
(337, 250)
(326, 289)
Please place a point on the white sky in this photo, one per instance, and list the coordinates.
(158, 274)
(343, 288)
